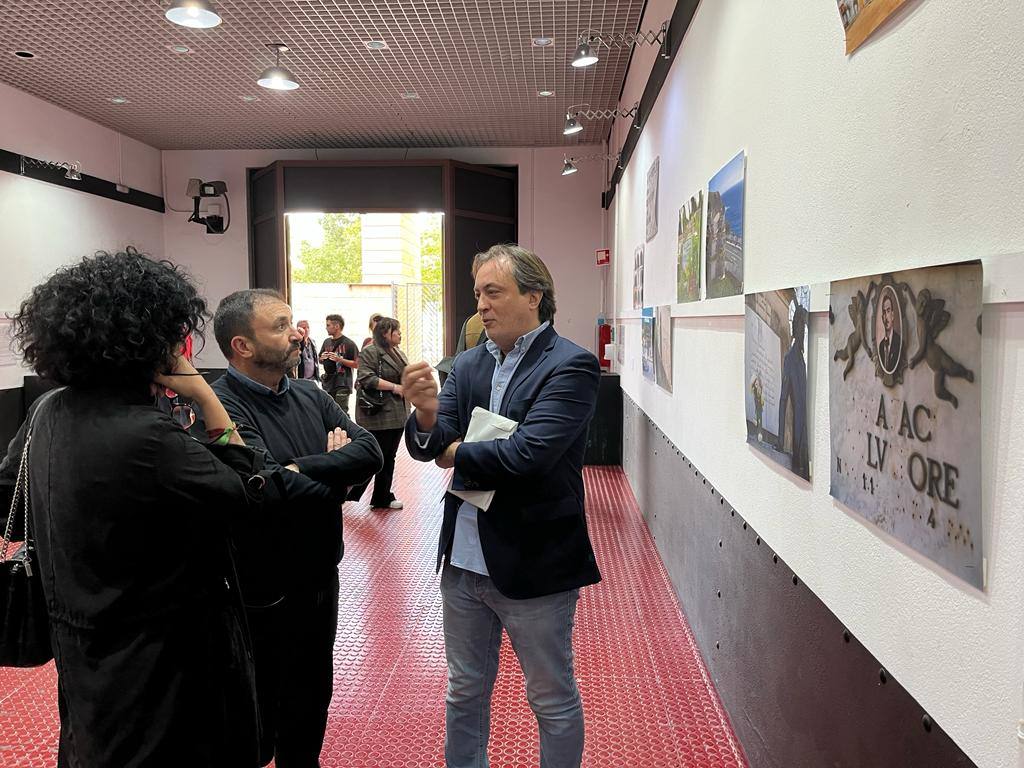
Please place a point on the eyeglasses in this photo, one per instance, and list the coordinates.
(182, 413)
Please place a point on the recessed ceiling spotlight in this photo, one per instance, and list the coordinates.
(118, 100)
(410, 95)
(543, 42)
(24, 54)
(197, 14)
(545, 93)
(249, 99)
(179, 49)
(376, 45)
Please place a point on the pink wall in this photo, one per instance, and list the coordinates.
(46, 226)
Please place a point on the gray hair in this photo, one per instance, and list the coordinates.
(234, 315)
(527, 269)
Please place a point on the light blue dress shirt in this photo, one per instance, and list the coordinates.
(466, 550)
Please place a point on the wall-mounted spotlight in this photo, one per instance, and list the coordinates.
(278, 78)
(72, 169)
(573, 115)
(197, 14)
(572, 125)
(589, 40)
(569, 163)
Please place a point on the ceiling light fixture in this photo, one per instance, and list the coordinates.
(196, 14)
(376, 45)
(277, 78)
(410, 95)
(545, 93)
(572, 115)
(542, 42)
(24, 54)
(589, 40)
(118, 100)
(569, 167)
(179, 49)
(249, 99)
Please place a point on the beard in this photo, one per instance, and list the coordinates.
(276, 360)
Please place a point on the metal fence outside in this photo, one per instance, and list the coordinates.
(418, 307)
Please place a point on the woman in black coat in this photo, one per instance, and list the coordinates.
(130, 517)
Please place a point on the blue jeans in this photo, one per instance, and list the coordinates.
(540, 630)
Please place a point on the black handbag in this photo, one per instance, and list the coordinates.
(24, 624)
(370, 401)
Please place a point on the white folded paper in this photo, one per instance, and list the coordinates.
(484, 425)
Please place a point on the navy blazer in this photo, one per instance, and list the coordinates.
(534, 536)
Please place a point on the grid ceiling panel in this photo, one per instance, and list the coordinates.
(471, 63)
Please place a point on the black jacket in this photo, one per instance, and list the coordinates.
(299, 540)
(534, 536)
(130, 517)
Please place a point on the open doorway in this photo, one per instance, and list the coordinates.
(360, 264)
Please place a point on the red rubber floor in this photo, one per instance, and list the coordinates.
(648, 700)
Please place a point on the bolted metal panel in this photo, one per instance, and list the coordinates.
(799, 688)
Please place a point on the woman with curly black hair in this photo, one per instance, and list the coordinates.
(130, 517)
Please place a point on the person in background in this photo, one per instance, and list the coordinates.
(472, 334)
(518, 565)
(288, 565)
(309, 364)
(130, 518)
(380, 368)
(373, 324)
(340, 357)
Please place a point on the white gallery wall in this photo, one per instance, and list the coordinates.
(908, 153)
(559, 217)
(43, 226)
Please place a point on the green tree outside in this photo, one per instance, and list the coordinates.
(430, 251)
(340, 258)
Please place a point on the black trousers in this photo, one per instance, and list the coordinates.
(293, 647)
(341, 397)
(388, 440)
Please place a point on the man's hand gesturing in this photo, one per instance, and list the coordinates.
(420, 390)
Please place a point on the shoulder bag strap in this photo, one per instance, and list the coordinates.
(20, 496)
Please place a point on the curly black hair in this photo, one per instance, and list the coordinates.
(111, 319)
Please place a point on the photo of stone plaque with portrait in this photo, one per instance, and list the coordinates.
(905, 409)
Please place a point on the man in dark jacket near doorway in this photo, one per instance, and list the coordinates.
(519, 564)
(289, 570)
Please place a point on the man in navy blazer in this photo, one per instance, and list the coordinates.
(520, 564)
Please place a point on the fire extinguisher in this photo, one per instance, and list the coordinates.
(604, 337)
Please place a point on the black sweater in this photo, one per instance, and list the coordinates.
(300, 539)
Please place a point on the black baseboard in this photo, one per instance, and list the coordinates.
(800, 690)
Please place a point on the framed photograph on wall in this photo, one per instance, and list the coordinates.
(775, 376)
(652, 199)
(648, 343)
(638, 277)
(688, 253)
(724, 272)
(663, 350)
(905, 409)
(862, 17)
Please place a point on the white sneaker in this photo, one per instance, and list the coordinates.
(396, 504)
